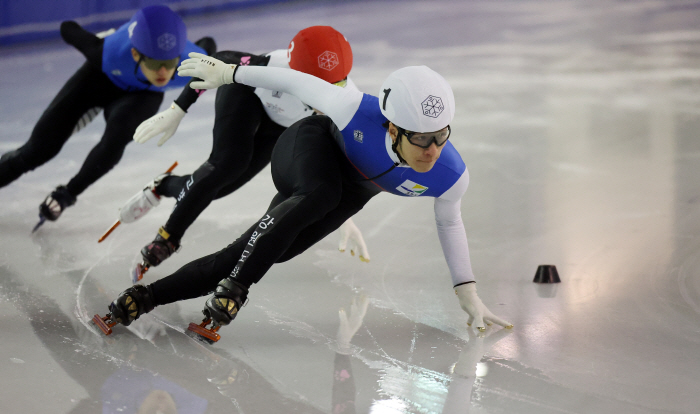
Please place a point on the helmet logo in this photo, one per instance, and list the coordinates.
(328, 60)
(166, 41)
(131, 29)
(432, 106)
(289, 51)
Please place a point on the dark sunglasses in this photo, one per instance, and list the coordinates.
(155, 64)
(426, 139)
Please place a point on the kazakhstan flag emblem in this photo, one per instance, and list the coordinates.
(412, 189)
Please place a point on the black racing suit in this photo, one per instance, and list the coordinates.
(316, 194)
(88, 88)
(244, 136)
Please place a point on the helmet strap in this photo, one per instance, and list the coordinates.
(395, 145)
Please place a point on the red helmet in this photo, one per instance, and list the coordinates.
(321, 51)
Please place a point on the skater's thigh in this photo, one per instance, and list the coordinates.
(306, 157)
(265, 140)
(126, 113)
(352, 201)
(238, 116)
(57, 122)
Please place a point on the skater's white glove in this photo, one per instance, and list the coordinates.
(477, 311)
(165, 123)
(350, 232)
(349, 325)
(213, 72)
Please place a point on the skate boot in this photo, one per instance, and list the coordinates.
(154, 253)
(220, 309)
(129, 306)
(54, 204)
(143, 201)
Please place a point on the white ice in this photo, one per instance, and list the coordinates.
(578, 122)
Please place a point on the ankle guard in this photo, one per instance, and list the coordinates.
(131, 304)
(56, 202)
(160, 248)
(228, 299)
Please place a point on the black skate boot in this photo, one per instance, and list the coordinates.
(221, 309)
(155, 253)
(129, 306)
(54, 204)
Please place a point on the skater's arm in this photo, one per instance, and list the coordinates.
(453, 239)
(189, 96)
(87, 43)
(450, 229)
(340, 104)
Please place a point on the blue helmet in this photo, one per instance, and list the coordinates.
(157, 32)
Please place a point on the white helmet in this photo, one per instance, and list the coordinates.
(417, 99)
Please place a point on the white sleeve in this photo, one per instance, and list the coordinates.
(450, 229)
(340, 104)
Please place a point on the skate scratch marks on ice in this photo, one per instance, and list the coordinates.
(80, 311)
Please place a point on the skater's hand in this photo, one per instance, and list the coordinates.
(478, 312)
(213, 72)
(349, 325)
(350, 232)
(165, 123)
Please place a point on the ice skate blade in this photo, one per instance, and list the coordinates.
(138, 272)
(42, 220)
(101, 322)
(201, 332)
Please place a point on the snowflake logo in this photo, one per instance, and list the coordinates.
(328, 60)
(432, 106)
(166, 41)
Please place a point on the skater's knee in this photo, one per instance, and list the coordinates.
(22, 160)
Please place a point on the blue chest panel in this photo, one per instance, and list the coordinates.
(119, 65)
(364, 144)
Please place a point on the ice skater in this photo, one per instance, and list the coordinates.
(126, 74)
(248, 121)
(325, 169)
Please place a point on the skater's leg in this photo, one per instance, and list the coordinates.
(200, 277)
(172, 186)
(239, 114)
(265, 141)
(351, 202)
(55, 125)
(307, 168)
(123, 116)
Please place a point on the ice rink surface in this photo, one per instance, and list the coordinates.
(578, 121)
